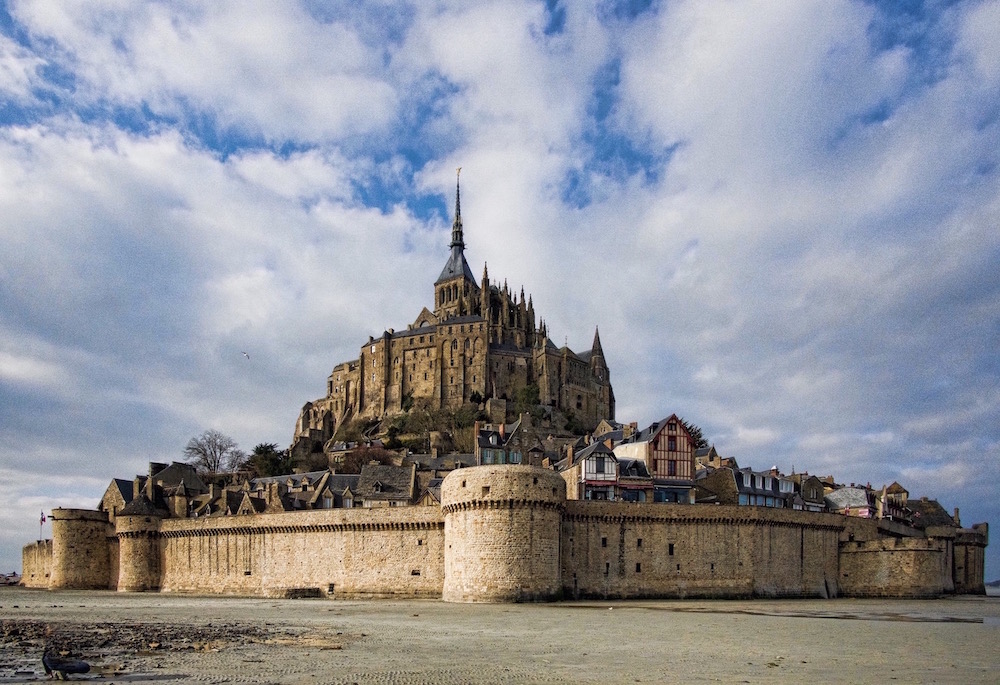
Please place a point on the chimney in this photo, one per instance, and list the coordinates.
(503, 429)
(958, 521)
(569, 455)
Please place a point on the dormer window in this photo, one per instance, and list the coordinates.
(377, 487)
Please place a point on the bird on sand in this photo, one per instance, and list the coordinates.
(59, 667)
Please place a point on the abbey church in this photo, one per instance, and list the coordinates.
(479, 341)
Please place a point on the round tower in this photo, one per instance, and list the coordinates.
(138, 529)
(81, 550)
(501, 528)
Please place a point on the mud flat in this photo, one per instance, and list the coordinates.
(181, 638)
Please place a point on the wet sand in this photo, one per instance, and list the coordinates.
(180, 638)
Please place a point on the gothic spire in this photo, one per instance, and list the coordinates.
(456, 267)
(456, 227)
(596, 350)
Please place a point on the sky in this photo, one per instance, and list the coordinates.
(782, 216)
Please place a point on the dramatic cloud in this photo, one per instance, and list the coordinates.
(782, 216)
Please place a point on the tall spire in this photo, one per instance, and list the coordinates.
(456, 227)
(456, 267)
(596, 349)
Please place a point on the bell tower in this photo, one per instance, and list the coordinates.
(455, 290)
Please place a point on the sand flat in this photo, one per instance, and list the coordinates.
(183, 638)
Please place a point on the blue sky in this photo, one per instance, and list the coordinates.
(782, 215)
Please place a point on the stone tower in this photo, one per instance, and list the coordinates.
(502, 526)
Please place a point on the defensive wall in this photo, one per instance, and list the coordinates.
(507, 533)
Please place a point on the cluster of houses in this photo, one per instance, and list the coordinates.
(617, 462)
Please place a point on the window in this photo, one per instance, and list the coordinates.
(672, 427)
(599, 465)
(638, 542)
(638, 567)
(604, 542)
(670, 549)
(671, 468)
(671, 444)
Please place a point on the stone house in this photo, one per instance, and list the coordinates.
(812, 491)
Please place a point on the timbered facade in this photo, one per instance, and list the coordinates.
(667, 448)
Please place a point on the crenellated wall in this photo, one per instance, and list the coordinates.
(507, 533)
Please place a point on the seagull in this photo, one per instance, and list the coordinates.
(246, 355)
(58, 667)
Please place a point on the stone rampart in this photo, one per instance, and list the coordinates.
(626, 550)
(895, 567)
(81, 554)
(381, 552)
(507, 533)
(502, 528)
(970, 559)
(36, 564)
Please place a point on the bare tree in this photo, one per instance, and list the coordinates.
(214, 452)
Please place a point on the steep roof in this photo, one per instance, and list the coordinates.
(386, 483)
(928, 512)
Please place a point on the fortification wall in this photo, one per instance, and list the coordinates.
(626, 550)
(970, 559)
(895, 567)
(502, 527)
(380, 552)
(80, 550)
(36, 564)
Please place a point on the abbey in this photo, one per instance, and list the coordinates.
(479, 341)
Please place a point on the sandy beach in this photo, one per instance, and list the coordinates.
(176, 638)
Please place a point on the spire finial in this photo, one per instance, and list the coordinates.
(456, 228)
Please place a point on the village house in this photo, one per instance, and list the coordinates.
(667, 449)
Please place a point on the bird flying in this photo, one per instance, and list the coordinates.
(247, 355)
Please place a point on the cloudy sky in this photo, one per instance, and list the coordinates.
(782, 215)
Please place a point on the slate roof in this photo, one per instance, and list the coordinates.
(380, 482)
(632, 468)
(848, 497)
(296, 478)
(928, 512)
(124, 488)
(141, 506)
(427, 462)
(455, 267)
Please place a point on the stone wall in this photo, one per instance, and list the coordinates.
(81, 554)
(970, 559)
(626, 550)
(343, 553)
(36, 564)
(895, 567)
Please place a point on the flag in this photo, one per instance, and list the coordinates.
(41, 521)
